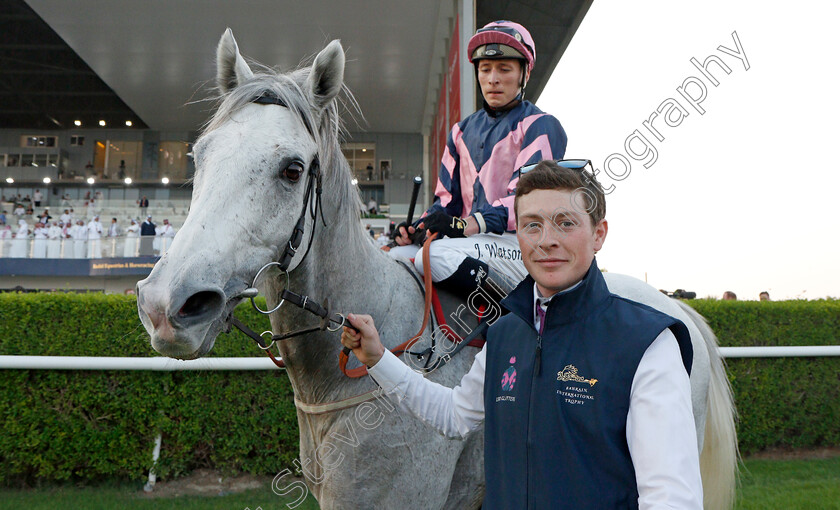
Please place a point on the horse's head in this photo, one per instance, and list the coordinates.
(254, 162)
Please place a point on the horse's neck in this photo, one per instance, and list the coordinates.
(350, 275)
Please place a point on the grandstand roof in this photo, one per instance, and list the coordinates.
(146, 60)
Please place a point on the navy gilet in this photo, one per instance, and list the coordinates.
(555, 430)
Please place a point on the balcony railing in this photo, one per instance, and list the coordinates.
(67, 248)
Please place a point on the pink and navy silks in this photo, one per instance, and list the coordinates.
(478, 168)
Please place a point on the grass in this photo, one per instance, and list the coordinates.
(790, 484)
(765, 484)
(132, 498)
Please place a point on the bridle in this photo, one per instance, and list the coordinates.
(312, 206)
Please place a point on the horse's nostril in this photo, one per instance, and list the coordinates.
(201, 303)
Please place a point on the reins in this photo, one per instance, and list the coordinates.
(361, 371)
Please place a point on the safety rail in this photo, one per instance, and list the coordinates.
(161, 364)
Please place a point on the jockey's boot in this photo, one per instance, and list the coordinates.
(475, 282)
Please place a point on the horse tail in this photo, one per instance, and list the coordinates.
(719, 457)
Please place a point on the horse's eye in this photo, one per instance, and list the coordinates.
(293, 171)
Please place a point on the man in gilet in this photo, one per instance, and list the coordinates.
(584, 395)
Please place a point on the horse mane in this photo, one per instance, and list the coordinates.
(330, 131)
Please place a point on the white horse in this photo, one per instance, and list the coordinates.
(254, 164)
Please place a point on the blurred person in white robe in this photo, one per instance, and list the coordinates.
(39, 246)
(166, 233)
(94, 234)
(79, 235)
(55, 235)
(6, 237)
(132, 234)
(20, 244)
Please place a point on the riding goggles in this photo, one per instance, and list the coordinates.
(509, 31)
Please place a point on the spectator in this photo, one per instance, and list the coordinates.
(5, 238)
(39, 246)
(19, 211)
(66, 217)
(79, 234)
(167, 233)
(45, 217)
(37, 197)
(3, 217)
(94, 234)
(55, 235)
(371, 231)
(729, 296)
(131, 235)
(764, 296)
(20, 245)
(113, 229)
(372, 206)
(147, 237)
(144, 206)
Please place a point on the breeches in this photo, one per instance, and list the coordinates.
(500, 252)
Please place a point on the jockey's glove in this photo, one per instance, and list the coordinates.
(445, 224)
(416, 238)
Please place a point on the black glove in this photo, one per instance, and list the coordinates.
(416, 238)
(445, 224)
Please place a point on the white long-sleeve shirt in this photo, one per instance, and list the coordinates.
(660, 421)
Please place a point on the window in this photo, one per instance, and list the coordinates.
(12, 159)
(362, 160)
(77, 141)
(117, 160)
(38, 141)
(172, 160)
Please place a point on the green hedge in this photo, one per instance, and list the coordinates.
(60, 425)
(781, 402)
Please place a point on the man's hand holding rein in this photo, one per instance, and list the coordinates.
(365, 344)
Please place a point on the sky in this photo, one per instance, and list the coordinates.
(743, 197)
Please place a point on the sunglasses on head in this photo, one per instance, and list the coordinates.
(573, 164)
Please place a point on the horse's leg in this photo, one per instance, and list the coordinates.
(467, 488)
(719, 456)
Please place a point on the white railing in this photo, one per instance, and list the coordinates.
(264, 363)
(106, 247)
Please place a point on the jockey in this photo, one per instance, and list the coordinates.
(473, 209)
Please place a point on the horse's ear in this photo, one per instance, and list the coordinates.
(327, 74)
(231, 69)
